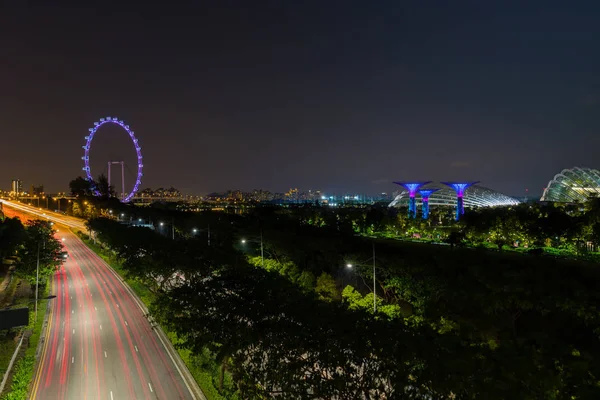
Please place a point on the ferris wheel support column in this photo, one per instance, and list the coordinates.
(122, 180)
(122, 164)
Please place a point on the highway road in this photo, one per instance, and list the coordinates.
(71, 222)
(98, 343)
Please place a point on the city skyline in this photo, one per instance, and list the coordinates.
(344, 98)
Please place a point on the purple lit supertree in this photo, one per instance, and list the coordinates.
(425, 193)
(412, 188)
(138, 149)
(460, 188)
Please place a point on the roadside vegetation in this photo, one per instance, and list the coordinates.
(451, 321)
(20, 244)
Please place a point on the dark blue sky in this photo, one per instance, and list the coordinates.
(337, 95)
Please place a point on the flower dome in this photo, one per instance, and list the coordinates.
(573, 185)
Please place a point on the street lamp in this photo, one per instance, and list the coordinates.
(37, 277)
(196, 230)
(172, 228)
(349, 265)
(262, 254)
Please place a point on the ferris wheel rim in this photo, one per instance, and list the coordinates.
(138, 149)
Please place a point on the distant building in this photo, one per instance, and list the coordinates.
(292, 195)
(16, 187)
(36, 190)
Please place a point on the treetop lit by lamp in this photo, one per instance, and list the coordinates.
(425, 193)
(412, 188)
(460, 188)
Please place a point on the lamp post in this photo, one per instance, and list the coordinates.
(37, 279)
(262, 253)
(195, 231)
(349, 265)
(161, 224)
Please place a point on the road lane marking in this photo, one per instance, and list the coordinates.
(126, 323)
(105, 356)
(96, 308)
(73, 331)
(72, 360)
(150, 386)
(118, 306)
(72, 311)
(111, 396)
(136, 350)
(100, 326)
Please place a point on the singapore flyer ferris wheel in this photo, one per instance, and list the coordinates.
(138, 149)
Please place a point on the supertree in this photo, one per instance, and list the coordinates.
(412, 188)
(425, 193)
(460, 188)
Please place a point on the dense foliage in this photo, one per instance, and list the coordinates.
(451, 323)
(39, 242)
(26, 243)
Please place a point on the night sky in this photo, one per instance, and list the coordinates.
(342, 96)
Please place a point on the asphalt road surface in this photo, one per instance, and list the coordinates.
(99, 344)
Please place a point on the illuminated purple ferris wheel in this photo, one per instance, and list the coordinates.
(138, 149)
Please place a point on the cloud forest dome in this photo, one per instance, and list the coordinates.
(475, 196)
(573, 185)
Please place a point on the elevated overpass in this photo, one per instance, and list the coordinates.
(71, 222)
